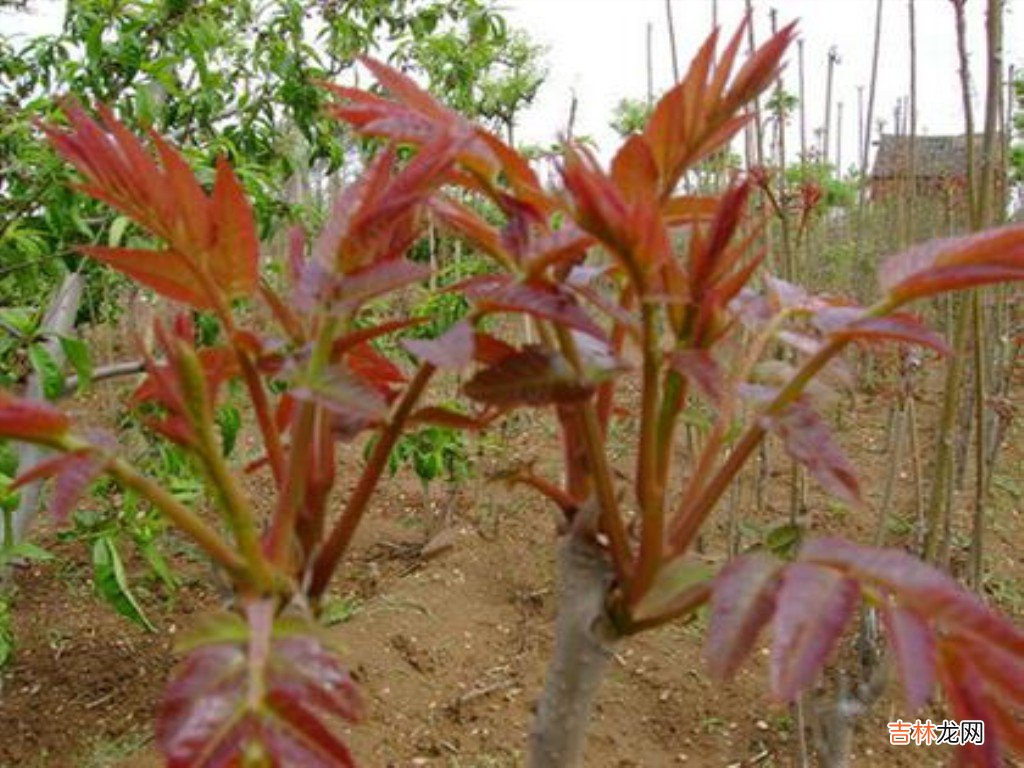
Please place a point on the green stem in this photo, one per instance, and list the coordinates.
(181, 516)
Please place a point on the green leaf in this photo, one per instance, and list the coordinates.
(229, 421)
(784, 540)
(20, 319)
(158, 563)
(47, 370)
(6, 633)
(26, 550)
(112, 582)
(672, 580)
(77, 354)
(117, 230)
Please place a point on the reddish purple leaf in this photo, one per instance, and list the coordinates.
(913, 644)
(345, 293)
(699, 366)
(72, 473)
(531, 376)
(743, 599)
(345, 394)
(919, 587)
(901, 326)
(814, 605)
(451, 351)
(534, 297)
(995, 255)
(808, 440)
(278, 695)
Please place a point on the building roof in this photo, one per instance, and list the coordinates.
(934, 156)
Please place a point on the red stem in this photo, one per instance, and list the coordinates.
(341, 535)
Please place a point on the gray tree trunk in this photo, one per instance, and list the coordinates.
(584, 644)
(59, 321)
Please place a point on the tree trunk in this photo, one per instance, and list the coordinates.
(59, 320)
(584, 643)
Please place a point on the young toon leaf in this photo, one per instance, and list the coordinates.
(849, 323)
(699, 366)
(913, 645)
(808, 440)
(31, 421)
(73, 472)
(453, 350)
(534, 375)
(743, 600)
(265, 691)
(212, 242)
(813, 606)
(537, 298)
(993, 256)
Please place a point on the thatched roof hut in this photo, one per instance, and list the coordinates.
(940, 164)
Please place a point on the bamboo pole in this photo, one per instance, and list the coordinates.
(672, 41)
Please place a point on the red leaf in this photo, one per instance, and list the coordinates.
(372, 366)
(166, 272)
(214, 235)
(697, 116)
(743, 599)
(234, 696)
(600, 208)
(963, 691)
(464, 221)
(74, 472)
(531, 376)
(634, 171)
(1003, 672)
(29, 420)
(808, 440)
(687, 209)
(491, 351)
(913, 645)
(901, 326)
(992, 256)
(445, 417)
(813, 606)
(219, 365)
(536, 298)
(451, 351)
(234, 258)
(699, 366)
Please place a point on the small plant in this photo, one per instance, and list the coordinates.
(671, 279)
(312, 381)
(614, 263)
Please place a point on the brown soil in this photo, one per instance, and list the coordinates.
(450, 650)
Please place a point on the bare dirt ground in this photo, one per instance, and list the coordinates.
(450, 650)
